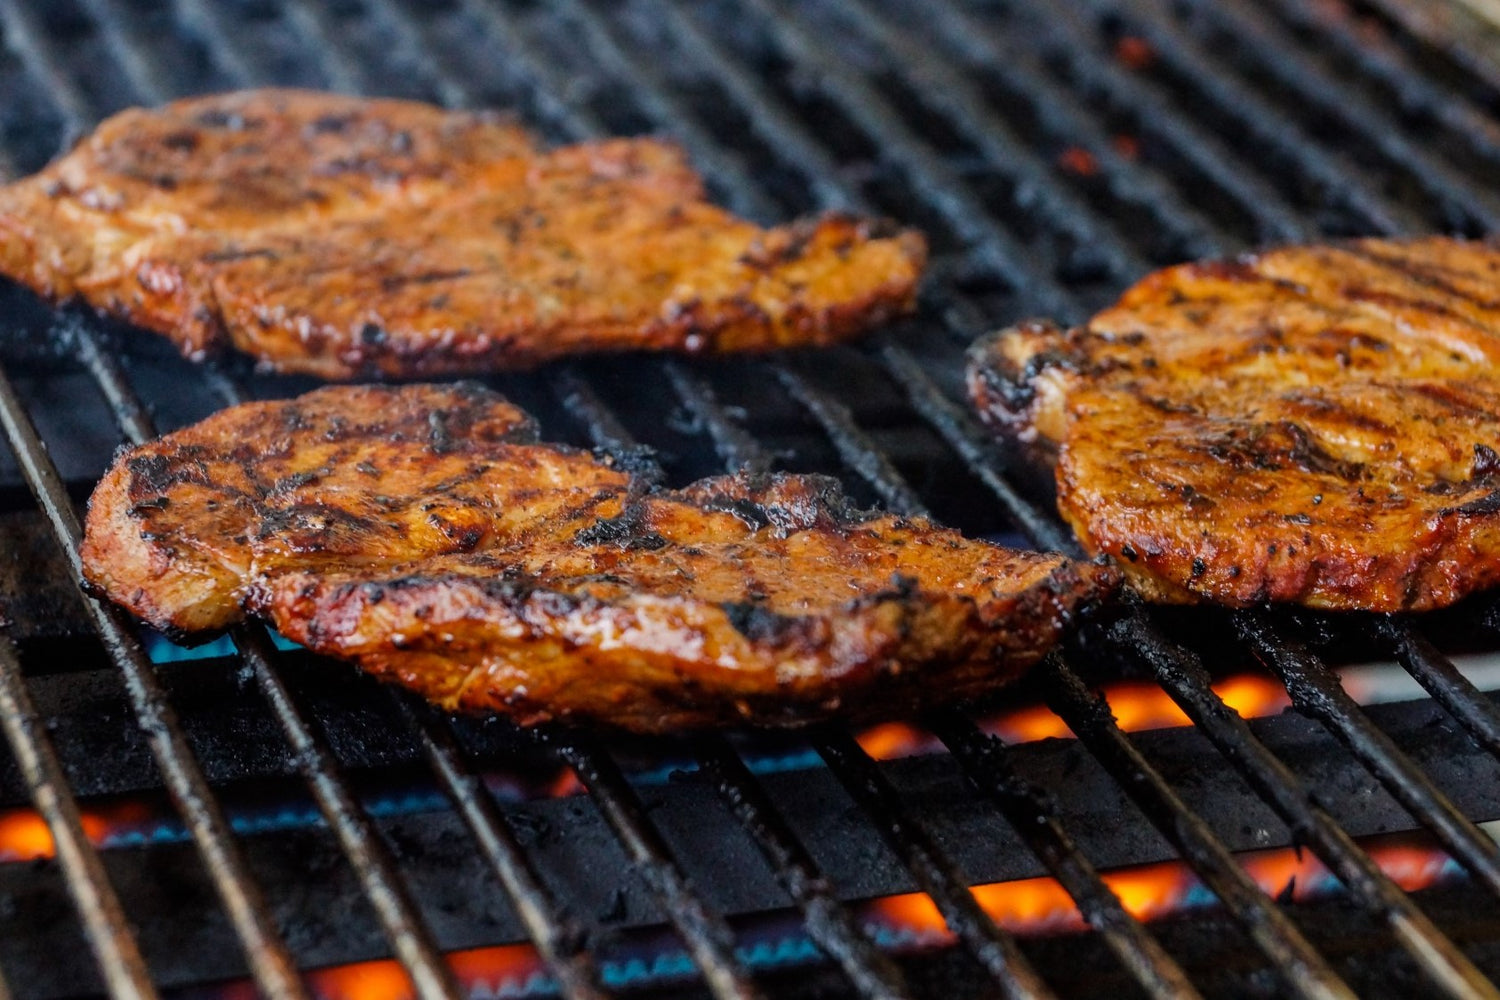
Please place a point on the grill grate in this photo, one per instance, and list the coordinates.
(946, 116)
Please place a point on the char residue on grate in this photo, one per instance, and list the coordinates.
(277, 814)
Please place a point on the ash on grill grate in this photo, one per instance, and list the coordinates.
(260, 813)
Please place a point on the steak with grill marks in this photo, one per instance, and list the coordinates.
(343, 237)
(426, 535)
(1313, 424)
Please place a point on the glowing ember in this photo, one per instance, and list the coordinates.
(1134, 53)
(1076, 160)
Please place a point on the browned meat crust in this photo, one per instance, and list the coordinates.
(1314, 424)
(424, 534)
(343, 237)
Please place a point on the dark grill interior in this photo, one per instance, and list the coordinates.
(230, 822)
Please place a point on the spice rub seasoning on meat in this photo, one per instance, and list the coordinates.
(344, 237)
(1313, 424)
(425, 534)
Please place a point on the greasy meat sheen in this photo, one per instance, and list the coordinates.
(1313, 424)
(424, 534)
(344, 237)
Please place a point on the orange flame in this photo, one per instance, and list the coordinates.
(383, 979)
(1041, 905)
(480, 970)
(1137, 706)
(892, 740)
(25, 836)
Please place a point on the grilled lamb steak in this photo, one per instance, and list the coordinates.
(343, 237)
(425, 534)
(1313, 424)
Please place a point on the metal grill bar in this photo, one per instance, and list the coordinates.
(1034, 817)
(559, 940)
(1441, 678)
(934, 871)
(1381, 61)
(851, 444)
(1182, 676)
(105, 926)
(1301, 969)
(397, 912)
(709, 939)
(1316, 692)
(973, 38)
(934, 181)
(1339, 180)
(1018, 68)
(24, 37)
(828, 921)
(961, 104)
(1280, 56)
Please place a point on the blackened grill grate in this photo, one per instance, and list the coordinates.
(1055, 153)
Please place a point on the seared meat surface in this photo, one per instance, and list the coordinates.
(1313, 424)
(424, 534)
(343, 237)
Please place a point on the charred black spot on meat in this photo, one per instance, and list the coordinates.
(751, 514)
(142, 507)
(312, 527)
(159, 473)
(758, 623)
(1486, 462)
(627, 531)
(1485, 506)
